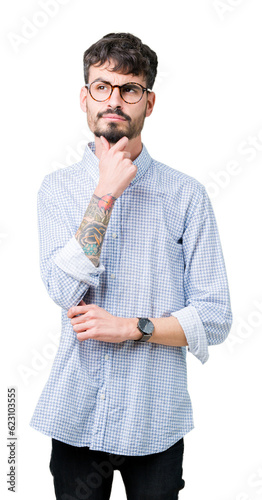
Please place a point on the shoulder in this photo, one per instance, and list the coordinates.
(172, 181)
(60, 179)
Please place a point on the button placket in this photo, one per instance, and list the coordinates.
(115, 247)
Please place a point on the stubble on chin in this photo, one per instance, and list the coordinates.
(110, 130)
(112, 133)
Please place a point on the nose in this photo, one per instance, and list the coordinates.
(115, 98)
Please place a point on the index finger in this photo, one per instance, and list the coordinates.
(121, 144)
(75, 310)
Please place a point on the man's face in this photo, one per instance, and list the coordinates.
(115, 118)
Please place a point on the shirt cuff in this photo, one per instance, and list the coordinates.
(74, 262)
(194, 331)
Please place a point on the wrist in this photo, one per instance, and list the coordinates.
(134, 333)
(101, 191)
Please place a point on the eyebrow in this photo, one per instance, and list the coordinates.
(101, 80)
(106, 81)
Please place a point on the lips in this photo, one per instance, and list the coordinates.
(114, 115)
(114, 118)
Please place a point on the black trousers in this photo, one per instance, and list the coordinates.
(84, 474)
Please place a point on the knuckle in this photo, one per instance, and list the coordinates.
(95, 331)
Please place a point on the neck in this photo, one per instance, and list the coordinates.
(134, 146)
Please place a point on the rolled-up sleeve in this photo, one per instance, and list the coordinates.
(207, 317)
(65, 269)
(73, 261)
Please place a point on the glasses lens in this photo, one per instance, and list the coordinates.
(131, 93)
(100, 91)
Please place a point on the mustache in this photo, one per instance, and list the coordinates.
(116, 111)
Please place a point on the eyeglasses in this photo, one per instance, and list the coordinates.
(130, 92)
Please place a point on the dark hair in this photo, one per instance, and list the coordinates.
(128, 53)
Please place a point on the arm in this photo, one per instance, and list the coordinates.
(116, 173)
(207, 317)
(65, 269)
(91, 321)
(168, 331)
(93, 227)
(66, 272)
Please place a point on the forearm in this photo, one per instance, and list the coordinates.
(66, 272)
(116, 171)
(91, 232)
(168, 331)
(91, 321)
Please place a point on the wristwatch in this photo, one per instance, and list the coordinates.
(146, 327)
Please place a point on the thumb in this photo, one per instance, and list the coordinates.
(105, 143)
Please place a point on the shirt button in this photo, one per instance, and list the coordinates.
(114, 235)
(112, 276)
(106, 357)
(102, 396)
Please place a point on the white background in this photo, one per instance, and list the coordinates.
(207, 123)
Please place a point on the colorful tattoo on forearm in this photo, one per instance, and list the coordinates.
(93, 227)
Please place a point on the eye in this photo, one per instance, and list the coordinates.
(100, 87)
(131, 89)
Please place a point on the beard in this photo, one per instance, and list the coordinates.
(114, 131)
(112, 134)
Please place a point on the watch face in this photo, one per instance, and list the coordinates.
(146, 325)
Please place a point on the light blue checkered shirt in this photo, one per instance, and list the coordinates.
(161, 256)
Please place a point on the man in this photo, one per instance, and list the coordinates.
(130, 250)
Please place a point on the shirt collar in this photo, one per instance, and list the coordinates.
(91, 162)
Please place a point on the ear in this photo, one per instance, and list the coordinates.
(151, 98)
(83, 96)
